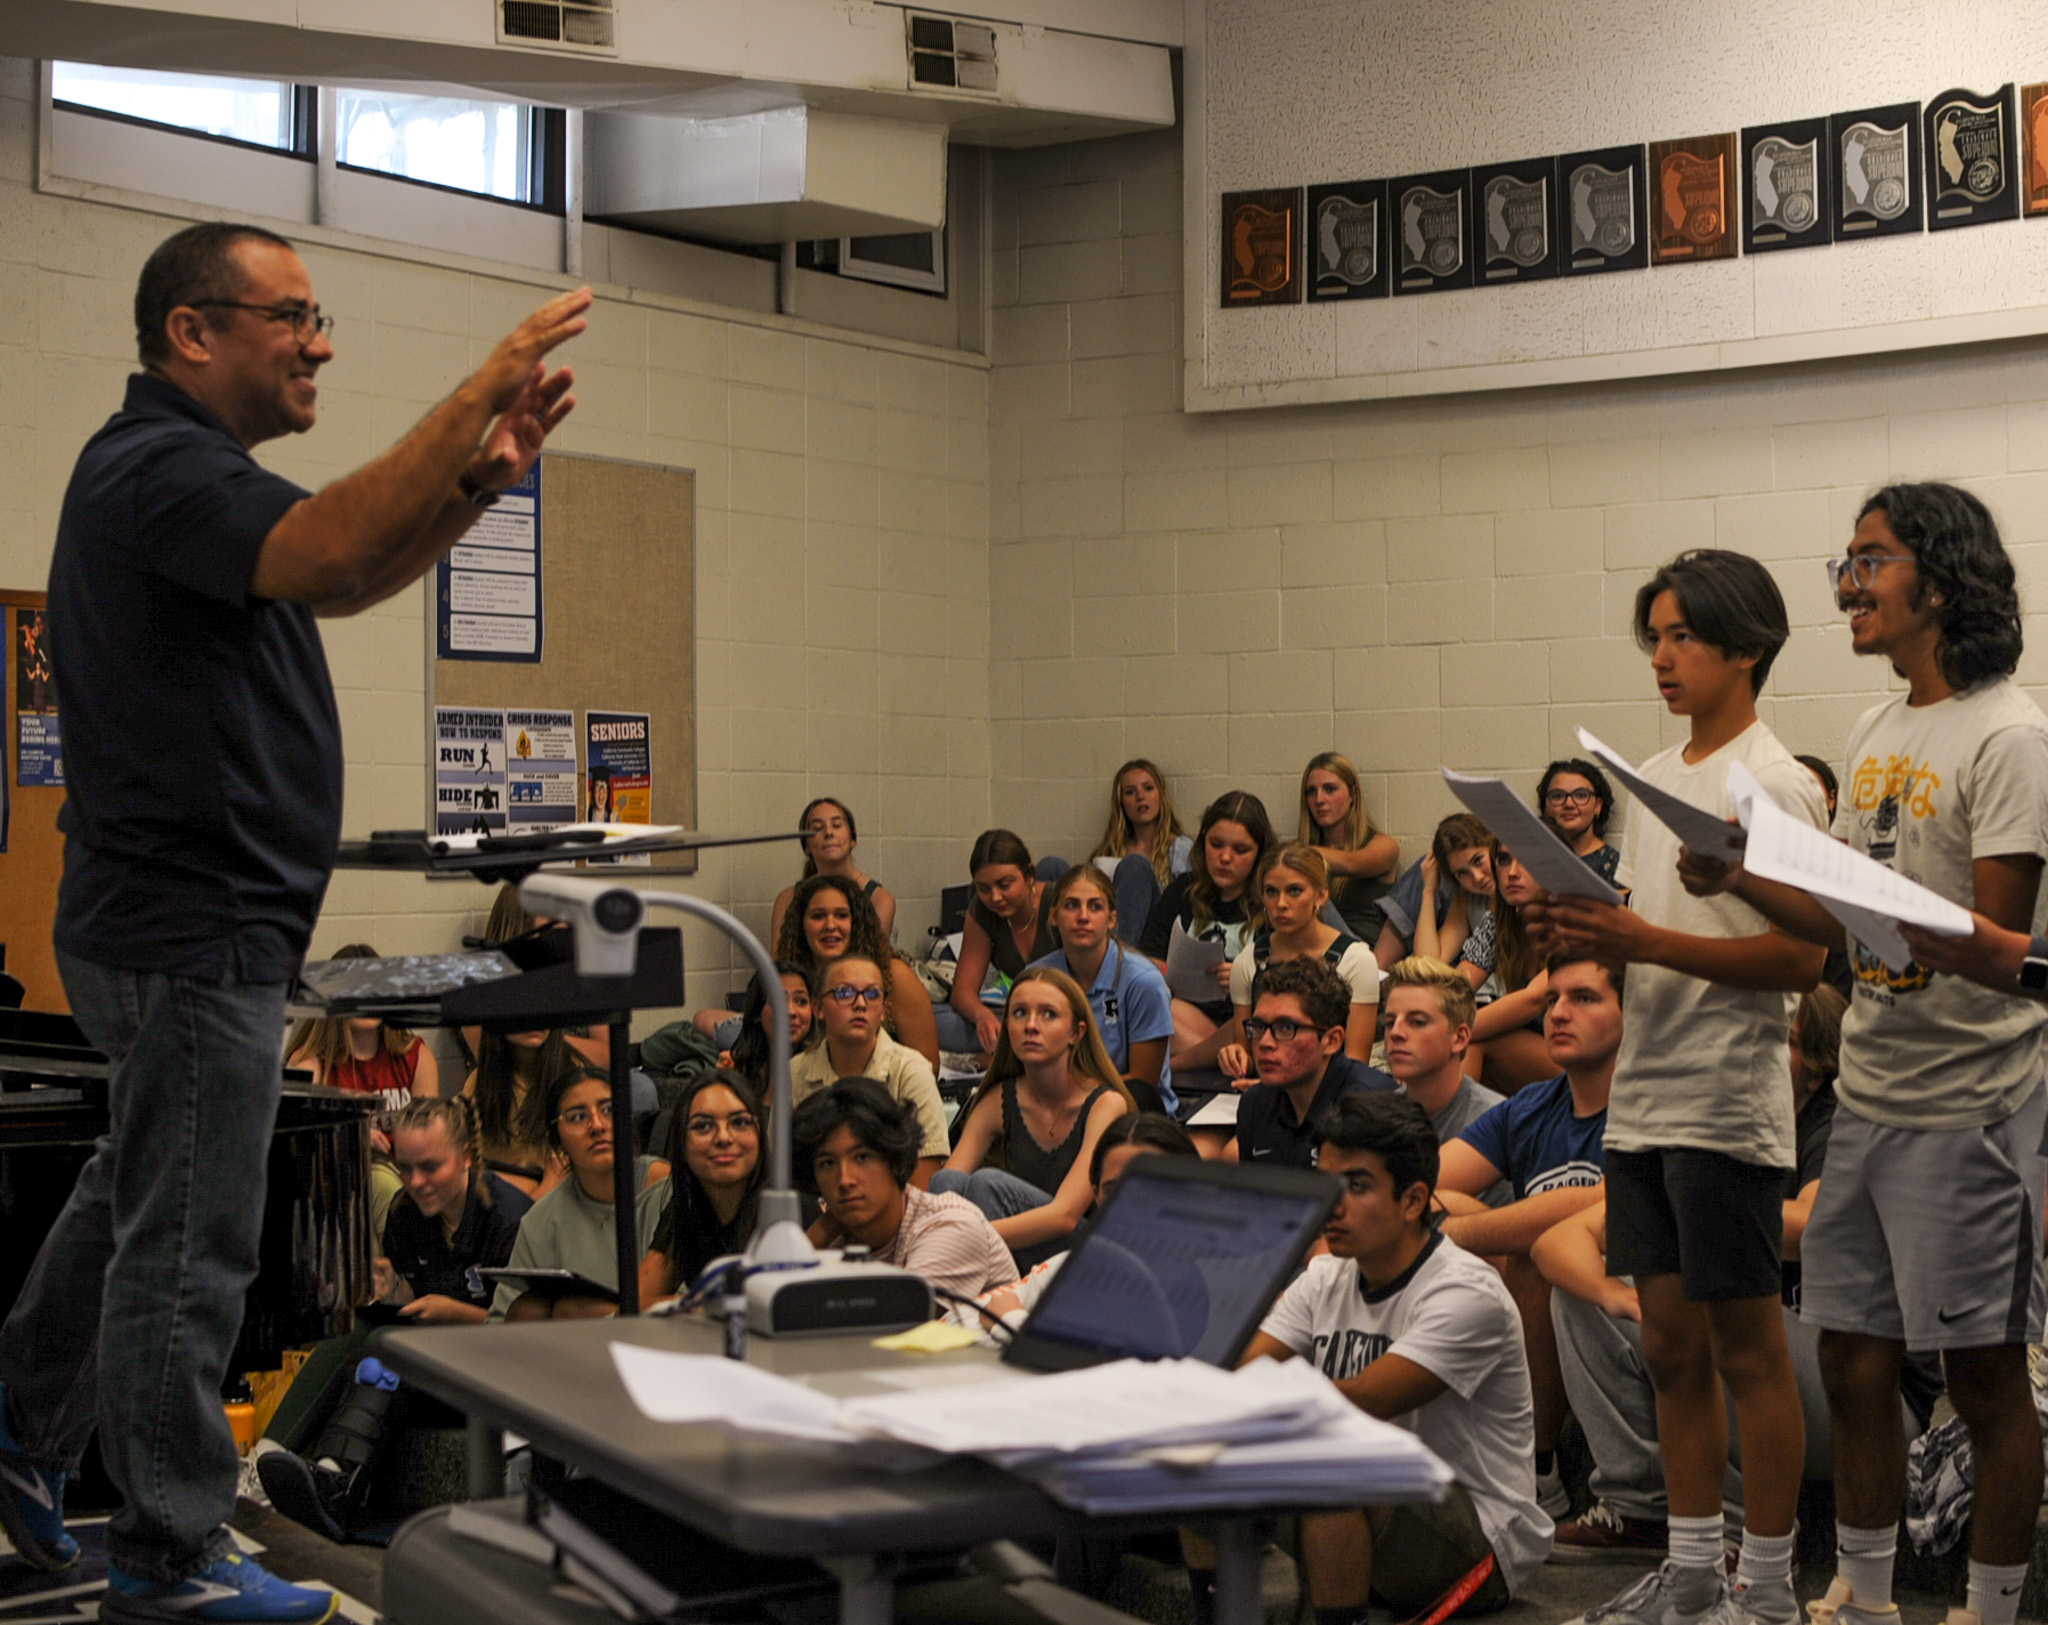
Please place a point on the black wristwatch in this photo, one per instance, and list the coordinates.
(2033, 976)
(480, 496)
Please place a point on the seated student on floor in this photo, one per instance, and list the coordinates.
(850, 998)
(1546, 1143)
(1212, 902)
(829, 839)
(1142, 843)
(1293, 889)
(857, 1148)
(1009, 924)
(1575, 799)
(453, 1219)
(1028, 1136)
(1512, 990)
(827, 918)
(1416, 1331)
(508, 919)
(573, 1226)
(509, 1088)
(749, 1053)
(1295, 1037)
(1597, 1323)
(715, 1178)
(1133, 1010)
(1134, 1135)
(1429, 1028)
(363, 1055)
(1461, 893)
(1362, 861)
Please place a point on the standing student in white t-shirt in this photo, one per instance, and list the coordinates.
(1699, 1123)
(1417, 1331)
(1927, 1229)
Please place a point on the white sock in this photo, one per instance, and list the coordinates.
(1864, 1558)
(1764, 1574)
(1995, 1591)
(1696, 1543)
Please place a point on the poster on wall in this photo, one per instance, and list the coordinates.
(618, 772)
(541, 781)
(487, 591)
(38, 739)
(469, 771)
(1785, 185)
(1972, 170)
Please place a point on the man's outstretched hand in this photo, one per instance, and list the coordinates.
(525, 399)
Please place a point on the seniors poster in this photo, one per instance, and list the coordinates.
(618, 772)
(469, 771)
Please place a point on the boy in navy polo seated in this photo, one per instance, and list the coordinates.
(1296, 1039)
(1545, 1141)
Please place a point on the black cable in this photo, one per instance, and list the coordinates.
(996, 1323)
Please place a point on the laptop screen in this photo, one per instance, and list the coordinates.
(1184, 1260)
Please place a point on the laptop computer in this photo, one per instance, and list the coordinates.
(1183, 1261)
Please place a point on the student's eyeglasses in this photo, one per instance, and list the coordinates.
(1575, 798)
(582, 1116)
(706, 1128)
(846, 995)
(1283, 1030)
(1862, 569)
(306, 321)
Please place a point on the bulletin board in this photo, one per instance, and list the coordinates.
(618, 581)
(34, 859)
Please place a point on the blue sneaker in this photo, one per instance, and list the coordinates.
(32, 1504)
(233, 1588)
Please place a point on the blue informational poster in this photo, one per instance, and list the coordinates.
(541, 779)
(469, 771)
(487, 591)
(38, 741)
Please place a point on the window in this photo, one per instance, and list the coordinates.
(255, 112)
(471, 146)
(915, 259)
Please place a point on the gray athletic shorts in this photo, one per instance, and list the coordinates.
(1929, 1236)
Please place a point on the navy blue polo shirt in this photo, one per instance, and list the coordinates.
(202, 749)
(1269, 1132)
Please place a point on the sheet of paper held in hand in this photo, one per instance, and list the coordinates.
(1553, 865)
(1862, 893)
(1700, 830)
(1191, 967)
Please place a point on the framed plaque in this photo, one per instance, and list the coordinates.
(1347, 241)
(1514, 222)
(1785, 186)
(1692, 199)
(1874, 165)
(2034, 144)
(1262, 248)
(1972, 159)
(1430, 225)
(1602, 211)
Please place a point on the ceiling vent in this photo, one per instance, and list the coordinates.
(571, 25)
(949, 55)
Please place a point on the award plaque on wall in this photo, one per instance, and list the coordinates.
(1971, 159)
(2034, 139)
(1692, 199)
(1428, 222)
(1261, 253)
(1347, 241)
(1602, 211)
(1874, 159)
(1785, 185)
(1513, 230)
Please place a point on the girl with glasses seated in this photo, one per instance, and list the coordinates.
(572, 1227)
(1576, 800)
(851, 996)
(715, 1182)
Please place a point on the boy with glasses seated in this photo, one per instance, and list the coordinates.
(851, 999)
(1295, 1036)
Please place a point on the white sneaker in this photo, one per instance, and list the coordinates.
(1658, 1598)
(1552, 1496)
(1839, 1607)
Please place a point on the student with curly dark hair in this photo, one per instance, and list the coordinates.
(829, 917)
(1576, 800)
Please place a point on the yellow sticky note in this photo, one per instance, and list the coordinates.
(933, 1337)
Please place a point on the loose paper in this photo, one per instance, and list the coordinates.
(1551, 864)
(618, 772)
(933, 1337)
(541, 778)
(487, 591)
(1191, 967)
(1700, 830)
(1218, 1111)
(469, 771)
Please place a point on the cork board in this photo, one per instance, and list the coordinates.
(34, 860)
(618, 582)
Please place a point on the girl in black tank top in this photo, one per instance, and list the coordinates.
(1027, 1137)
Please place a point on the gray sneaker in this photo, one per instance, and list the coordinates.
(1669, 1595)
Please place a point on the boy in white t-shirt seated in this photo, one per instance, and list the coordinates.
(1417, 1331)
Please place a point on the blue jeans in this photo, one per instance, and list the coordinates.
(159, 1243)
(1000, 1194)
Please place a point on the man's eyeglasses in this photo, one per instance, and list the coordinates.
(846, 995)
(1283, 1030)
(306, 321)
(582, 1116)
(1573, 798)
(1862, 569)
(706, 1128)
